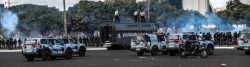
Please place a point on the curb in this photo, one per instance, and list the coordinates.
(224, 47)
(21, 50)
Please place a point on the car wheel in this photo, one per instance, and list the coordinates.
(247, 52)
(172, 53)
(68, 54)
(154, 51)
(183, 54)
(204, 54)
(82, 51)
(210, 50)
(46, 56)
(165, 53)
(30, 57)
(140, 53)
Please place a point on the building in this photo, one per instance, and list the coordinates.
(202, 6)
(140, 0)
(245, 1)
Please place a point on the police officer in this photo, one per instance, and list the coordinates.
(215, 38)
(15, 42)
(142, 15)
(235, 38)
(19, 42)
(117, 17)
(11, 43)
(136, 15)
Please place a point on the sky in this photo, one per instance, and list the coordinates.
(70, 3)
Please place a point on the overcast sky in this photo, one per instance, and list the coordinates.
(70, 3)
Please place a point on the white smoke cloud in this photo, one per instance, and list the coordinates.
(9, 22)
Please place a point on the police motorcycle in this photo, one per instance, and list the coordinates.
(193, 47)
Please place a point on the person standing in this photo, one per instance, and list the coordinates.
(15, 42)
(19, 42)
(136, 15)
(142, 15)
(117, 17)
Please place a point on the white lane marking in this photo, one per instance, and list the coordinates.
(223, 64)
(223, 47)
(142, 57)
(134, 60)
(21, 50)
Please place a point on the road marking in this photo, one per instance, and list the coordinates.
(223, 47)
(223, 64)
(142, 57)
(21, 50)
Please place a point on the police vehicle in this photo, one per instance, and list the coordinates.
(118, 35)
(78, 48)
(243, 42)
(172, 44)
(208, 44)
(193, 46)
(148, 43)
(45, 48)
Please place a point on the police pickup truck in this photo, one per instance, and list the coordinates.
(148, 43)
(78, 48)
(243, 42)
(45, 48)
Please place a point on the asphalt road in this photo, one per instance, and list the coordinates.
(126, 58)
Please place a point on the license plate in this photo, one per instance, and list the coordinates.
(171, 45)
(74, 50)
(28, 50)
(28, 47)
(246, 48)
(138, 49)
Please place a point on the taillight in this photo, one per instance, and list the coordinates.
(145, 44)
(237, 42)
(166, 41)
(178, 41)
(23, 45)
(36, 45)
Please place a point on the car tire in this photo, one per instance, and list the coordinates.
(82, 51)
(183, 54)
(172, 53)
(210, 50)
(247, 52)
(154, 51)
(30, 57)
(204, 54)
(140, 53)
(165, 53)
(68, 54)
(46, 56)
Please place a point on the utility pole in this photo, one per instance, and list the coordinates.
(148, 10)
(65, 20)
(9, 3)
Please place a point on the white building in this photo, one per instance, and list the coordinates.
(245, 1)
(202, 6)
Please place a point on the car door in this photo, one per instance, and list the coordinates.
(73, 44)
(57, 47)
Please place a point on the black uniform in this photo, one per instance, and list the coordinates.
(19, 42)
(15, 42)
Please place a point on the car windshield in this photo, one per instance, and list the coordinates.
(173, 37)
(139, 38)
(246, 35)
(31, 41)
(185, 37)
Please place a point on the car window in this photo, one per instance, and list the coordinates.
(200, 38)
(160, 38)
(73, 41)
(246, 35)
(58, 42)
(43, 41)
(139, 38)
(192, 37)
(31, 41)
(173, 37)
(51, 42)
(185, 36)
(65, 41)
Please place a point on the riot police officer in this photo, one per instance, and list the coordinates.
(15, 42)
(19, 42)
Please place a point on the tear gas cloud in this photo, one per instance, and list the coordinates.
(9, 22)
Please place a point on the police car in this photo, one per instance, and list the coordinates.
(152, 43)
(172, 44)
(45, 48)
(243, 42)
(78, 48)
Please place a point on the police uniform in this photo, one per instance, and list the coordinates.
(117, 16)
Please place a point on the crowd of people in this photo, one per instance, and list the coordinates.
(89, 41)
(222, 38)
(10, 43)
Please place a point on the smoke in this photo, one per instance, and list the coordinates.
(9, 22)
